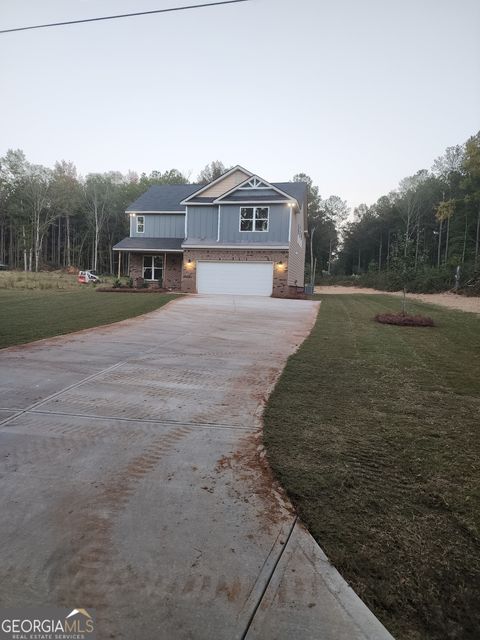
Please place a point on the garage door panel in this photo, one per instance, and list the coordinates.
(235, 278)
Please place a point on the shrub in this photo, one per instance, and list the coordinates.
(471, 287)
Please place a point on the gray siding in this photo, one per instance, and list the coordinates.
(162, 225)
(279, 219)
(202, 223)
(253, 193)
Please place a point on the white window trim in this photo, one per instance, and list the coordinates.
(254, 219)
(152, 257)
(137, 218)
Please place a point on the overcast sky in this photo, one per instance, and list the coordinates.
(355, 93)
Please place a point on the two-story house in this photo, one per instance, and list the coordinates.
(239, 234)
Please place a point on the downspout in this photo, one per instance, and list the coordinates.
(311, 257)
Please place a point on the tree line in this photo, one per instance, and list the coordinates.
(56, 218)
(430, 223)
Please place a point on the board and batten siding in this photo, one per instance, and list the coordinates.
(279, 219)
(159, 225)
(296, 252)
(202, 222)
(251, 194)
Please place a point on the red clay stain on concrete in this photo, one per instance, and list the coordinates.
(250, 468)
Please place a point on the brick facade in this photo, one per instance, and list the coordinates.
(180, 275)
(136, 268)
(172, 273)
(280, 272)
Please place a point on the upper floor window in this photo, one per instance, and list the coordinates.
(140, 224)
(254, 218)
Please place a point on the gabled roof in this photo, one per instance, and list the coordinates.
(169, 197)
(241, 186)
(204, 187)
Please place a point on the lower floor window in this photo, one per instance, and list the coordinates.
(153, 268)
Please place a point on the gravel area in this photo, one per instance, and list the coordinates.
(450, 300)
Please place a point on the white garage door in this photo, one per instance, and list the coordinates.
(237, 278)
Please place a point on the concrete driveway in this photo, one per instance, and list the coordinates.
(132, 480)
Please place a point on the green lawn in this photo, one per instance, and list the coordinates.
(374, 431)
(27, 315)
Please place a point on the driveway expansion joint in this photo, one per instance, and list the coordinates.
(268, 580)
(61, 391)
(159, 421)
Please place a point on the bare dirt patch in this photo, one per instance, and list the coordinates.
(449, 300)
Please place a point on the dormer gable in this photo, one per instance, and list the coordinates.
(258, 189)
(254, 183)
(229, 180)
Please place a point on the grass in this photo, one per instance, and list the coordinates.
(374, 430)
(45, 280)
(27, 315)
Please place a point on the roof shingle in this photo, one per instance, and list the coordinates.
(149, 244)
(167, 197)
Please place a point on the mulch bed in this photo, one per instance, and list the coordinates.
(404, 320)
